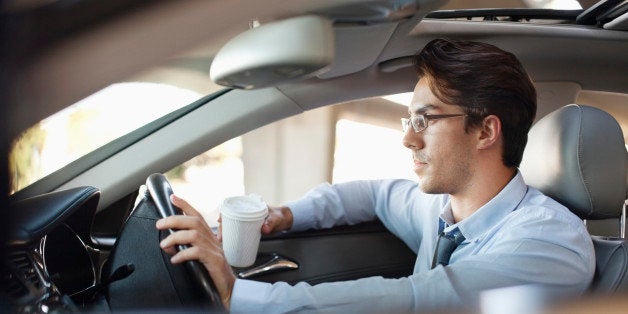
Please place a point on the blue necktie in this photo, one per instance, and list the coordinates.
(445, 246)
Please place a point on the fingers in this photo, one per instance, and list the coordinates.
(269, 225)
(179, 222)
(219, 234)
(169, 250)
(199, 247)
(202, 245)
(185, 237)
(184, 206)
(195, 253)
(276, 221)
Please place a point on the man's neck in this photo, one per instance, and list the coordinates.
(479, 192)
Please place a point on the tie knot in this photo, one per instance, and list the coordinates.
(456, 236)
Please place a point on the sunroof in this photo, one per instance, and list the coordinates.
(511, 15)
(516, 4)
(609, 14)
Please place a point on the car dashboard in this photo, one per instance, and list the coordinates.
(51, 262)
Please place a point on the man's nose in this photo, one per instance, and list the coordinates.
(412, 140)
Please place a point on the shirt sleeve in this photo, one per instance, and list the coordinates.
(424, 292)
(512, 263)
(331, 205)
(392, 201)
(369, 295)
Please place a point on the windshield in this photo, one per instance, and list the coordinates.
(89, 124)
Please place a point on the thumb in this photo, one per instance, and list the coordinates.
(269, 225)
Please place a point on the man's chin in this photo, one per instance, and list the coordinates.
(424, 184)
(428, 187)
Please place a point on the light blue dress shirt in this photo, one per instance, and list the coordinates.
(520, 237)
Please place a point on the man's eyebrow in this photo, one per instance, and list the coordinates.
(420, 110)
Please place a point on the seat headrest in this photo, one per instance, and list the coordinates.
(577, 156)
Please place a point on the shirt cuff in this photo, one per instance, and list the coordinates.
(302, 214)
(249, 296)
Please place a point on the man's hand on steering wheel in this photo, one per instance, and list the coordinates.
(203, 246)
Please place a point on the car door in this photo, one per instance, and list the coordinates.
(336, 254)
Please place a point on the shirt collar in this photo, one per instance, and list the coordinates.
(506, 201)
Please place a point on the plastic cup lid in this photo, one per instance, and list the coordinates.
(246, 207)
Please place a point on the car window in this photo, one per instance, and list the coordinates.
(365, 151)
(89, 124)
(205, 180)
(282, 160)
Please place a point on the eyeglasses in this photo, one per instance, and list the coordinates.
(419, 122)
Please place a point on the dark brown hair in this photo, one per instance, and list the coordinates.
(484, 80)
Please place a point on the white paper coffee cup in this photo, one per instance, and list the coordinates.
(242, 219)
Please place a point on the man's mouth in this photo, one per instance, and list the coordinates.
(419, 158)
(419, 164)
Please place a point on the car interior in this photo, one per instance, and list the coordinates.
(562, 160)
(82, 238)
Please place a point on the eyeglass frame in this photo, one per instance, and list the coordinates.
(425, 118)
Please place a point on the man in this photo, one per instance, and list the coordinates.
(467, 128)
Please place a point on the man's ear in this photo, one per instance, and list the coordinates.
(490, 132)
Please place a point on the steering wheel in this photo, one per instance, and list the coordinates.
(160, 191)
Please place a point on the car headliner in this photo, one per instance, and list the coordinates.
(55, 75)
(369, 62)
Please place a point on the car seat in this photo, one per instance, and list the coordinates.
(577, 156)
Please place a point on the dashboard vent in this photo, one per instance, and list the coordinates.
(20, 277)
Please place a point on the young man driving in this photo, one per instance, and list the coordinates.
(467, 128)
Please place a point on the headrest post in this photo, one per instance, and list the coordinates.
(622, 221)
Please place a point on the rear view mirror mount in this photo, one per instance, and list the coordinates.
(275, 53)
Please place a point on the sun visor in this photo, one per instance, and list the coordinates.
(275, 53)
(619, 24)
